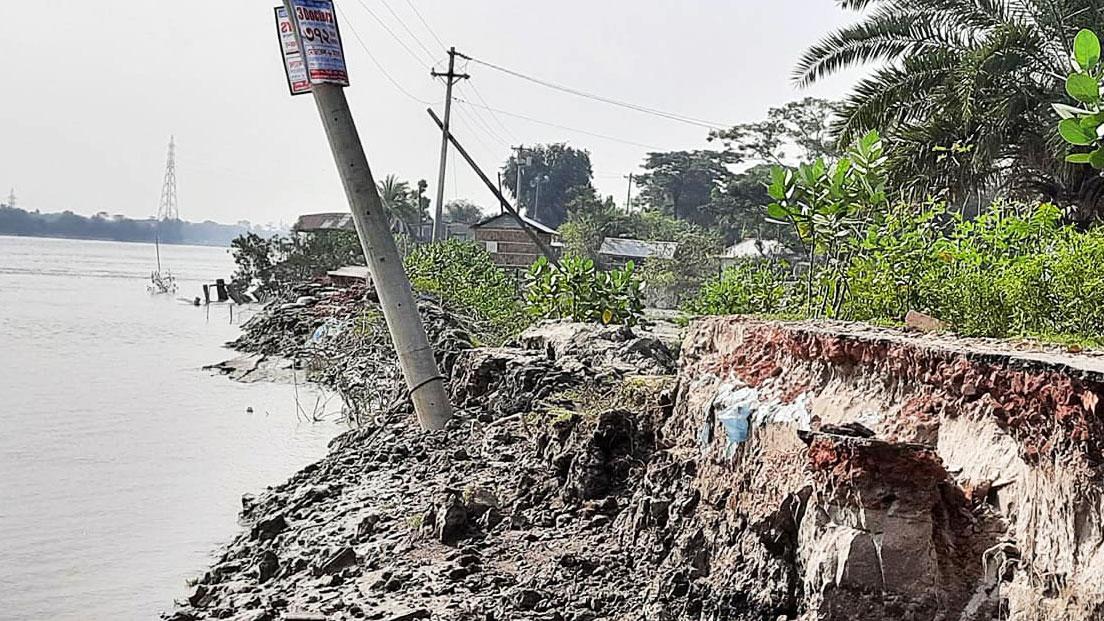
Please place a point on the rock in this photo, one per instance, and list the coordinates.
(478, 499)
(367, 526)
(345, 557)
(267, 566)
(915, 320)
(198, 596)
(451, 518)
(527, 599)
(269, 527)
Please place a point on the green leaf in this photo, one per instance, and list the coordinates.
(1086, 49)
(1096, 158)
(778, 212)
(1072, 133)
(1079, 158)
(1083, 88)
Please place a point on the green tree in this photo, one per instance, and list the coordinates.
(800, 131)
(558, 171)
(401, 202)
(962, 93)
(464, 211)
(681, 183)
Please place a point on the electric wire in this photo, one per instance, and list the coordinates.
(477, 114)
(379, 65)
(681, 118)
(410, 32)
(426, 24)
(394, 36)
(563, 127)
(466, 121)
(479, 95)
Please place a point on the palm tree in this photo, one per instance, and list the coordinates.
(398, 200)
(963, 92)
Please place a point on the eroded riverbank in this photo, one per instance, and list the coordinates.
(773, 470)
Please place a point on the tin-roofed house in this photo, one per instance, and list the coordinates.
(617, 251)
(509, 244)
(753, 250)
(316, 222)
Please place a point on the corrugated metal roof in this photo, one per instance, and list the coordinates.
(755, 249)
(325, 222)
(638, 248)
(507, 221)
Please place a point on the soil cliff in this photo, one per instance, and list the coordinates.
(761, 470)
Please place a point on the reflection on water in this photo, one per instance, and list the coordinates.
(122, 463)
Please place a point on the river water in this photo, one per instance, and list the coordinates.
(122, 463)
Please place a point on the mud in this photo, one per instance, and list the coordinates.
(759, 470)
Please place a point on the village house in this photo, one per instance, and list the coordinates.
(617, 251)
(509, 244)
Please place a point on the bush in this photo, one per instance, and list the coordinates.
(579, 291)
(1016, 270)
(464, 275)
(269, 265)
(749, 287)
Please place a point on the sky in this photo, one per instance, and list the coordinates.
(93, 90)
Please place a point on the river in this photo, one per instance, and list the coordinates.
(122, 463)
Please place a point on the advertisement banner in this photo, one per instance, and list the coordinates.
(294, 67)
(321, 41)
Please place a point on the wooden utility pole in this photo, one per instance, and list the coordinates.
(628, 195)
(525, 224)
(423, 379)
(451, 77)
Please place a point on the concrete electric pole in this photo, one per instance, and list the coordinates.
(451, 77)
(628, 195)
(423, 379)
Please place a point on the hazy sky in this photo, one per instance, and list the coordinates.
(92, 91)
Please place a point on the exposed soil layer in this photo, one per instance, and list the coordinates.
(774, 471)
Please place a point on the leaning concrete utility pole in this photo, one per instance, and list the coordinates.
(450, 78)
(424, 380)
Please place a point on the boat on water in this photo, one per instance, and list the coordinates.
(163, 282)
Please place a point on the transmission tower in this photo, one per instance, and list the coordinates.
(11, 198)
(168, 209)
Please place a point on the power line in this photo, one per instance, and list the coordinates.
(378, 64)
(474, 133)
(393, 35)
(681, 118)
(477, 114)
(563, 127)
(407, 29)
(509, 133)
(425, 23)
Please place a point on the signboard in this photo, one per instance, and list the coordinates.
(294, 67)
(321, 41)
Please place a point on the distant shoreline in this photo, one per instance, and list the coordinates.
(206, 244)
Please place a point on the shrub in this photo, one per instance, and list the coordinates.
(748, 287)
(1014, 271)
(464, 275)
(269, 265)
(579, 291)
